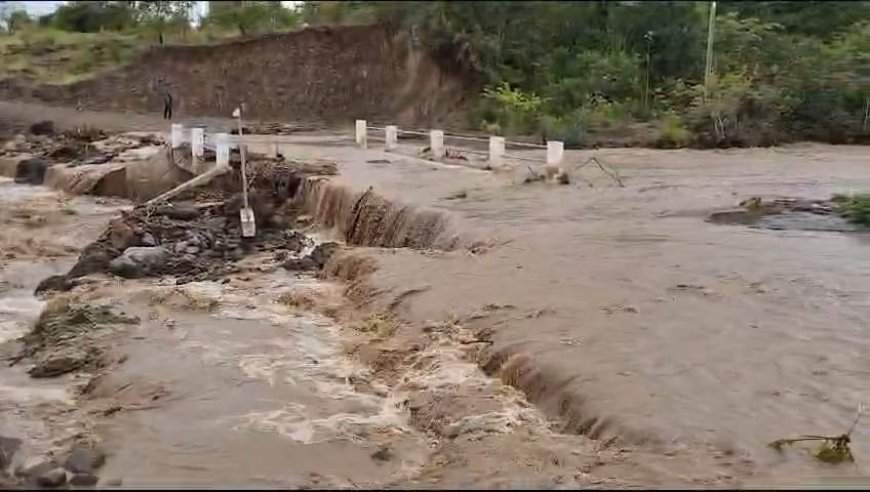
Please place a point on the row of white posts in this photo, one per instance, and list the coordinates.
(555, 148)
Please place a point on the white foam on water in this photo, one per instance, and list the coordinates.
(292, 421)
(28, 394)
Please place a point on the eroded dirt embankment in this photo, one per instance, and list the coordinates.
(682, 346)
(625, 314)
(438, 420)
(317, 73)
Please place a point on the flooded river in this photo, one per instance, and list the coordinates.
(689, 344)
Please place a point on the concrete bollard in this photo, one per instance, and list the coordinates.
(496, 151)
(197, 142)
(176, 136)
(361, 137)
(391, 135)
(222, 149)
(555, 151)
(436, 143)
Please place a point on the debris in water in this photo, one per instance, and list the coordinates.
(833, 449)
(605, 169)
(383, 454)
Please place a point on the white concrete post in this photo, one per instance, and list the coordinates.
(436, 143)
(361, 139)
(391, 135)
(222, 149)
(176, 136)
(555, 151)
(496, 151)
(197, 142)
(273, 150)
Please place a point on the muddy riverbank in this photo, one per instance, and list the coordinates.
(656, 347)
(273, 358)
(633, 318)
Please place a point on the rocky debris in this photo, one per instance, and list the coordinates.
(34, 467)
(42, 128)
(54, 364)
(278, 128)
(197, 235)
(178, 211)
(140, 261)
(787, 214)
(82, 146)
(84, 459)
(8, 447)
(32, 171)
(323, 252)
(63, 339)
(83, 479)
(52, 478)
(294, 241)
(60, 283)
(305, 264)
(383, 454)
(314, 261)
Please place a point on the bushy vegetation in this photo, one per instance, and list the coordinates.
(780, 71)
(856, 207)
(82, 38)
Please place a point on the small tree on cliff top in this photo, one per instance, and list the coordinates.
(160, 15)
(251, 17)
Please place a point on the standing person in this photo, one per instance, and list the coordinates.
(167, 106)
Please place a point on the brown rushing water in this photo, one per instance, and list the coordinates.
(679, 333)
(687, 337)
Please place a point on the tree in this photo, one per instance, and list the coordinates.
(92, 16)
(16, 20)
(161, 15)
(251, 17)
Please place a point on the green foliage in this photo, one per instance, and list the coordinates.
(251, 17)
(18, 20)
(92, 16)
(783, 70)
(674, 132)
(48, 55)
(509, 111)
(857, 208)
(333, 12)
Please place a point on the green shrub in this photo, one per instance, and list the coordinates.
(673, 131)
(857, 208)
(512, 111)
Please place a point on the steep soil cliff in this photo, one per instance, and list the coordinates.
(325, 73)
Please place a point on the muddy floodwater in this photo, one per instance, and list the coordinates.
(623, 313)
(656, 325)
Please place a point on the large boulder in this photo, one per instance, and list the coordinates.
(32, 171)
(139, 261)
(42, 128)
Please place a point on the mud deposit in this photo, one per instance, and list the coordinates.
(789, 214)
(495, 334)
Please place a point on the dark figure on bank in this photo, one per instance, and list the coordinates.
(167, 107)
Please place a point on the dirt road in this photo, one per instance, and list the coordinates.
(623, 314)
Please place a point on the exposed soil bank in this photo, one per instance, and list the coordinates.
(317, 73)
